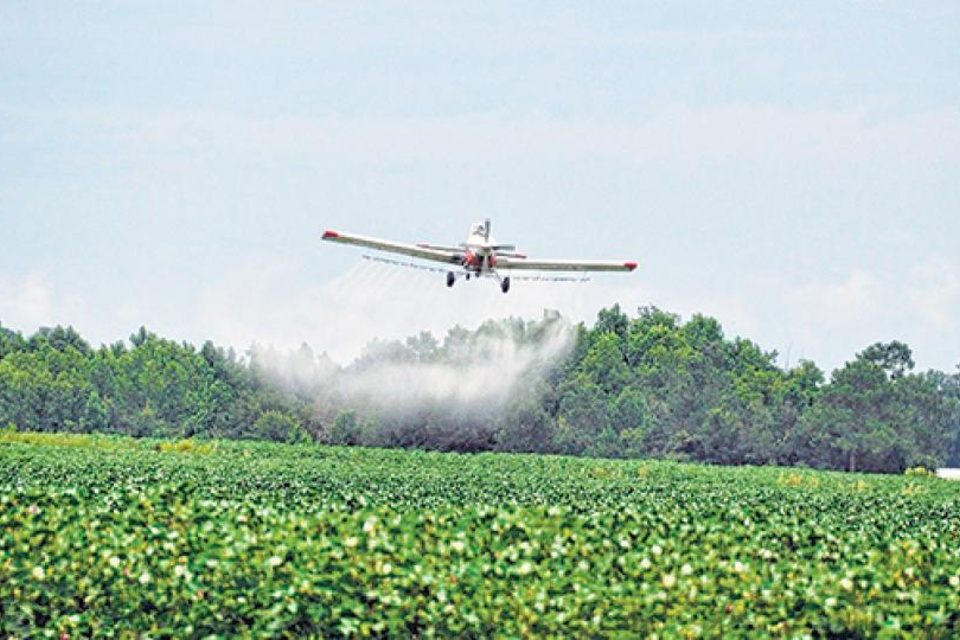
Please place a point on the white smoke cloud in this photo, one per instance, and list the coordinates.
(479, 371)
(486, 370)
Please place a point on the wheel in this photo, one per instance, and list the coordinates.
(451, 278)
(505, 284)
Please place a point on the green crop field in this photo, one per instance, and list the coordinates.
(119, 537)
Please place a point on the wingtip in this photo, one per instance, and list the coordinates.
(330, 235)
(630, 265)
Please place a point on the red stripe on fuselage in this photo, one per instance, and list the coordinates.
(472, 260)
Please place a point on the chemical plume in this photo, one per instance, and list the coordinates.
(456, 391)
(485, 367)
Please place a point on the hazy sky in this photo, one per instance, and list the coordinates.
(792, 169)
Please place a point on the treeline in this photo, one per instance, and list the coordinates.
(55, 381)
(644, 386)
(655, 386)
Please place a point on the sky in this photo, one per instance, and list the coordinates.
(792, 169)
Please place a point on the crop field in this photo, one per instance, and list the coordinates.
(119, 537)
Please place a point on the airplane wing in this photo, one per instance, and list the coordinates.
(564, 265)
(448, 255)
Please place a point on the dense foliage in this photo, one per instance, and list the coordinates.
(114, 536)
(55, 381)
(644, 386)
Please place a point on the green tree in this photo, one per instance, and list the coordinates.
(895, 358)
(874, 416)
(280, 427)
(795, 394)
(583, 415)
(612, 320)
(929, 409)
(10, 341)
(347, 429)
(630, 418)
(848, 421)
(604, 364)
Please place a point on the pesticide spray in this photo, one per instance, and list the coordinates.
(449, 394)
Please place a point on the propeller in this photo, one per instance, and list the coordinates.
(486, 231)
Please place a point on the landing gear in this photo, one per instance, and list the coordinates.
(504, 282)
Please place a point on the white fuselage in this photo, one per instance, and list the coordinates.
(479, 255)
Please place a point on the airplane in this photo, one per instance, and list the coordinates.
(479, 256)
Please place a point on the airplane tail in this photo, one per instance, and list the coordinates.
(497, 247)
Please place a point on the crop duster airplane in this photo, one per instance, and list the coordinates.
(479, 256)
